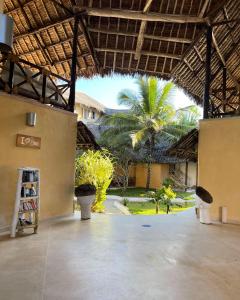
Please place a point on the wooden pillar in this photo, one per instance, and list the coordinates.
(207, 72)
(186, 174)
(71, 102)
(224, 87)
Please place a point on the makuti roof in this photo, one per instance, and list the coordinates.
(88, 101)
(163, 38)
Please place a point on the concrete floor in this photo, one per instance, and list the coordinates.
(115, 257)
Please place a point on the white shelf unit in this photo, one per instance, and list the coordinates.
(27, 202)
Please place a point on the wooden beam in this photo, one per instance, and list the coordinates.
(71, 101)
(146, 36)
(44, 27)
(204, 8)
(136, 15)
(142, 30)
(235, 81)
(49, 46)
(25, 15)
(150, 53)
(224, 87)
(225, 22)
(89, 42)
(207, 72)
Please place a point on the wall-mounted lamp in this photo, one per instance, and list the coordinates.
(31, 119)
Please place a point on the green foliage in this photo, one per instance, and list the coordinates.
(164, 196)
(150, 112)
(168, 182)
(149, 208)
(185, 195)
(95, 167)
(125, 201)
(129, 192)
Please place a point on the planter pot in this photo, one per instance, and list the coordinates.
(85, 203)
(204, 215)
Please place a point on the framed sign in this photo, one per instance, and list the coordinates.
(28, 141)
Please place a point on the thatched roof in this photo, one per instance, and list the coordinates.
(88, 101)
(163, 38)
(85, 138)
(186, 147)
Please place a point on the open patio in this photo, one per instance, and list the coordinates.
(44, 48)
(116, 257)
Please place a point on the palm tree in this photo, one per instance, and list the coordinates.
(150, 113)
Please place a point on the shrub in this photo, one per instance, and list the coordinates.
(163, 195)
(125, 202)
(168, 182)
(96, 168)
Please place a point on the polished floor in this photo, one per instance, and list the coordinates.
(120, 257)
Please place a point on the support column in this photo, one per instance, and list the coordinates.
(71, 102)
(186, 173)
(224, 87)
(207, 73)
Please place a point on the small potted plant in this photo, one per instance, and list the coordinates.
(85, 194)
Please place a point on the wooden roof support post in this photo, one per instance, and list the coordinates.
(71, 101)
(207, 72)
(142, 30)
(224, 87)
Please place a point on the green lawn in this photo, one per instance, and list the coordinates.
(141, 192)
(130, 192)
(148, 208)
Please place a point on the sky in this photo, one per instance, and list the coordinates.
(105, 90)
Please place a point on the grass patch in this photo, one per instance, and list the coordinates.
(130, 192)
(148, 208)
(185, 195)
(141, 192)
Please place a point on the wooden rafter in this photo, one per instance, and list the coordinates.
(221, 56)
(204, 8)
(37, 39)
(136, 15)
(45, 27)
(146, 36)
(151, 53)
(142, 30)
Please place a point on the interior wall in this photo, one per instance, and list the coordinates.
(219, 164)
(55, 159)
(158, 173)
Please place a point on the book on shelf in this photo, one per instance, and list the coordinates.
(28, 205)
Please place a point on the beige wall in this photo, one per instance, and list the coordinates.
(158, 173)
(219, 164)
(55, 159)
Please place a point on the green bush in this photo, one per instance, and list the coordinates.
(163, 196)
(125, 202)
(168, 182)
(96, 168)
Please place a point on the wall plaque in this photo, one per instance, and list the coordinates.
(28, 141)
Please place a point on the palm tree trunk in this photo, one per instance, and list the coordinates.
(149, 164)
(148, 175)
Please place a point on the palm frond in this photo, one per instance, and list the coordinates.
(138, 136)
(166, 94)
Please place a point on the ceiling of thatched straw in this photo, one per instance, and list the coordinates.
(85, 138)
(163, 38)
(185, 147)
